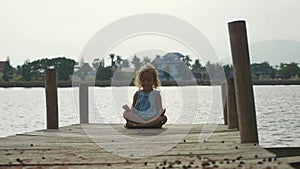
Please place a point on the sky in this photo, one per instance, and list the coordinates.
(35, 29)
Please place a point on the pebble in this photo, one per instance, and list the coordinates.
(177, 162)
(239, 158)
(205, 163)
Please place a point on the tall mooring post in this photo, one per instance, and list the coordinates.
(232, 115)
(243, 82)
(84, 103)
(224, 101)
(51, 99)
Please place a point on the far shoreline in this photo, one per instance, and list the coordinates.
(28, 84)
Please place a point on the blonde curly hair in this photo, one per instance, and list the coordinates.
(147, 68)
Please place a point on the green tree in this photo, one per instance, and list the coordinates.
(96, 63)
(125, 63)
(136, 62)
(187, 60)
(119, 61)
(263, 69)
(146, 60)
(287, 70)
(104, 73)
(112, 57)
(198, 69)
(228, 70)
(35, 70)
(8, 72)
(65, 68)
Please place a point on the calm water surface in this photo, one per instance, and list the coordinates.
(277, 109)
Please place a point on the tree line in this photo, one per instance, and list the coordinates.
(66, 68)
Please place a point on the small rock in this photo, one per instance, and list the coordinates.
(260, 162)
(177, 162)
(199, 157)
(239, 158)
(205, 163)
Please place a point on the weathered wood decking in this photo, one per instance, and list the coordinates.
(70, 147)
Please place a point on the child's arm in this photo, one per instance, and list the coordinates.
(126, 107)
(134, 100)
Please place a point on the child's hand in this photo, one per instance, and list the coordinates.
(126, 107)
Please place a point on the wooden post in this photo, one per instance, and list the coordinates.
(232, 115)
(224, 101)
(243, 82)
(51, 99)
(84, 103)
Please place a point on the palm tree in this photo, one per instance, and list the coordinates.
(137, 63)
(186, 59)
(112, 56)
(119, 60)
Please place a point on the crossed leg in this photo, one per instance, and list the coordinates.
(134, 121)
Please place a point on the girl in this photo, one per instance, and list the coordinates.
(146, 110)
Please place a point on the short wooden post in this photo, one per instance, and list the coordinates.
(224, 101)
(243, 82)
(232, 115)
(51, 99)
(84, 103)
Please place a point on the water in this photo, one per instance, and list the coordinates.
(277, 109)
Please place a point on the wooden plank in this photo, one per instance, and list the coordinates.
(70, 147)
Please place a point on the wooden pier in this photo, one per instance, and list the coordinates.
(232, 146)
(71, 147)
